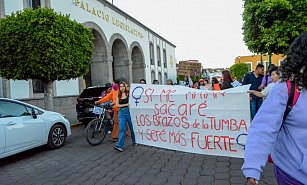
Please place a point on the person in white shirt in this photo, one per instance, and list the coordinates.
(274, 73)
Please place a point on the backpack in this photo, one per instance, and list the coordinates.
(266, 80)
(292, 99)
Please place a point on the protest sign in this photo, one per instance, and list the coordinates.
(191, 120)
(189, 68)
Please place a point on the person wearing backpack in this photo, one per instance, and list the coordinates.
(266, 80)
(280, 126)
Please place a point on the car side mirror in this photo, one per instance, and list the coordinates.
(34, 113)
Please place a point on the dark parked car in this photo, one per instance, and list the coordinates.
(85, 103)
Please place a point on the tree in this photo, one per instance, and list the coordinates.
(270, 26)
(238, 70)
(42, 44)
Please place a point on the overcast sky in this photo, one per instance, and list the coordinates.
(204, 30)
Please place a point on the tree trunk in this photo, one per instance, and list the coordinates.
(270, 59)
(48, 95)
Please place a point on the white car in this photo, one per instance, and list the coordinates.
(24, 126)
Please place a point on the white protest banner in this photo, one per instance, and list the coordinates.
(191, 120)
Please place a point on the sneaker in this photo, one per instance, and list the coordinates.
(118, 149)
(109, 132)
(134, 144)
(113, 139)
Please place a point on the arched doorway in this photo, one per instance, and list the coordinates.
(138, 64)
(99, 69)
(120, 63)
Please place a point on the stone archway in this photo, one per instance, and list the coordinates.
(138, 63)
(122, 66)
(99, 73)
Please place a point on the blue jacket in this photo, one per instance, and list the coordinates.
(287, 142)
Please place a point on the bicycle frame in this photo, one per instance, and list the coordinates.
(102, 116)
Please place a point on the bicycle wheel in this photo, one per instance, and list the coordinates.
(95, 132)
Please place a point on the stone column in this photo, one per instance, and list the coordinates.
(6, 88)
(96, 72)
(109, 67)
(31, 95)
(130, 77)
(54, 88)
(108, 77)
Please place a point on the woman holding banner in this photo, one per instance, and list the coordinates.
(227, 80)
(216, 84)
(122, 102)
(283, 137)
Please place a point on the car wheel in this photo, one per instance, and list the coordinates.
(57, 136)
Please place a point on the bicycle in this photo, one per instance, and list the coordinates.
(97, 130)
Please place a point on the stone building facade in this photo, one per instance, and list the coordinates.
(124, 49)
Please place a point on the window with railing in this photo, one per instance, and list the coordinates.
(35, 3)
(250, 66)
(153, 76)
(164, 58)
(159, 56)
(38, 86)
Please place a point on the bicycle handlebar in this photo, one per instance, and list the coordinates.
(103, 105)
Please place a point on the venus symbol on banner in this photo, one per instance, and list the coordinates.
(137, 94)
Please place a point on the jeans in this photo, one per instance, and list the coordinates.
(124, 117)
(255, 104)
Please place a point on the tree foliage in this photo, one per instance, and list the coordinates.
(238, 70)
(270, 26)
(41, 44)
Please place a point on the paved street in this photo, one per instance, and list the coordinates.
(80, 163)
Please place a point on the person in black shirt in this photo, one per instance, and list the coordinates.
(254, 78)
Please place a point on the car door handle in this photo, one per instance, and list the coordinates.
(11, 123)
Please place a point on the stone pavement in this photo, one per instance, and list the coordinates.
(79, 163)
